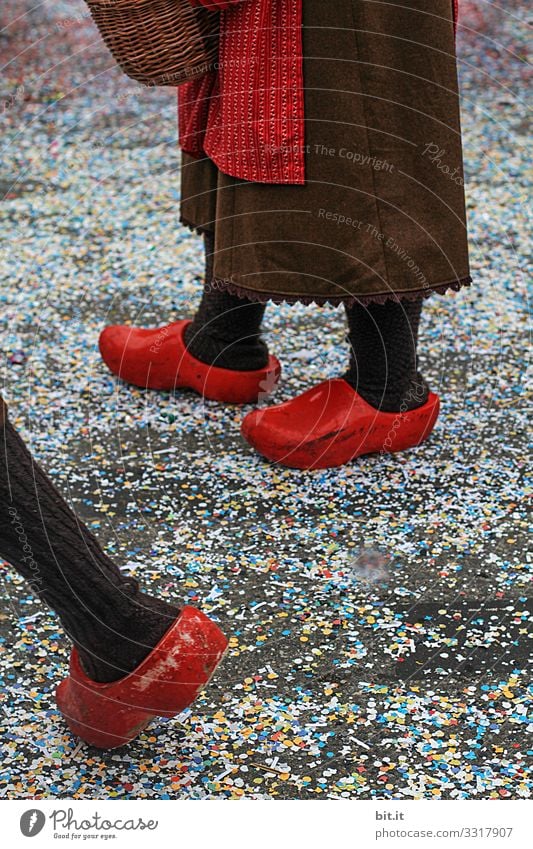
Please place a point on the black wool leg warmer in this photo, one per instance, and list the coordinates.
(113, 625)
(383, 357)
(226, 330)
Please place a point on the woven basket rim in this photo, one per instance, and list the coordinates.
(124, 4)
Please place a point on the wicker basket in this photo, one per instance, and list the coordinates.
(158, 42)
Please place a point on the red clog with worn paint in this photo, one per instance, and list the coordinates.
(158, 359)
(164, 684)
(331, 424)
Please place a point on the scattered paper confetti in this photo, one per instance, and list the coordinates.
(379, 613)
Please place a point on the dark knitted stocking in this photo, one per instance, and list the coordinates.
(383, 359)
(113, 625)
(226, 330)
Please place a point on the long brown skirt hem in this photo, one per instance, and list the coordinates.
(209, 225)
(333, 300)
(196, 228)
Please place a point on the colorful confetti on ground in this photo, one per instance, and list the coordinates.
(379, 612)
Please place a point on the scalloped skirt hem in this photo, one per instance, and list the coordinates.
(196, 228)
(333, 300)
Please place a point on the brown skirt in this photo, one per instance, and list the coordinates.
(382, 213)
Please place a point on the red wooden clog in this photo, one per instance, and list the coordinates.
(331, 424)
(158, 359)
(164, 684)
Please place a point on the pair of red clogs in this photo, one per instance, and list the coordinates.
(327, 426)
